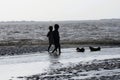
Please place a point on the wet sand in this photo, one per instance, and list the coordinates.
(108, 69)
(24, 49)
(72, 65)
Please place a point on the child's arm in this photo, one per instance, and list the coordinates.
(48, 34)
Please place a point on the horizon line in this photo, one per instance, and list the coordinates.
(60, 20)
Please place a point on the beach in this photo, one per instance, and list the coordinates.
(24, 56)
(99, 65)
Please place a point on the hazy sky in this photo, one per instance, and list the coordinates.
(51, 10)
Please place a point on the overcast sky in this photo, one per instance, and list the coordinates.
(52, 10)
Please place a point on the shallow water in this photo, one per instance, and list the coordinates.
(12, 67)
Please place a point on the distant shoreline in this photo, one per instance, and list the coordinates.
(60, 20)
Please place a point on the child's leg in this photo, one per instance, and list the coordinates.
(55, 49)
(59, 49)
(49, 47)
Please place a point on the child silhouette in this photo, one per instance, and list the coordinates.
(50, 37)
(56, 38)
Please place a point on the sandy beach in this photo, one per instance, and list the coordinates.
(70, 65)
(108, 69)
(24, 56)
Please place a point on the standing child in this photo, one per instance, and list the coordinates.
(56, 38)
(50, 37)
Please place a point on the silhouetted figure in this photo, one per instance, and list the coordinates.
(50, 37)
(56, 38)
(94, 49)
(80, 49)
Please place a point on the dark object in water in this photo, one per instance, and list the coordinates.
(94, 49)
(80, 50)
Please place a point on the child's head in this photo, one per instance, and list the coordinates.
(50, 28)
(56, 26)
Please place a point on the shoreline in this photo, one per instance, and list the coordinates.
(70, 65)
(31, 46)
(82, 71)
(22, 42)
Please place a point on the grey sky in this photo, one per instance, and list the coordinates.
(51, 10)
